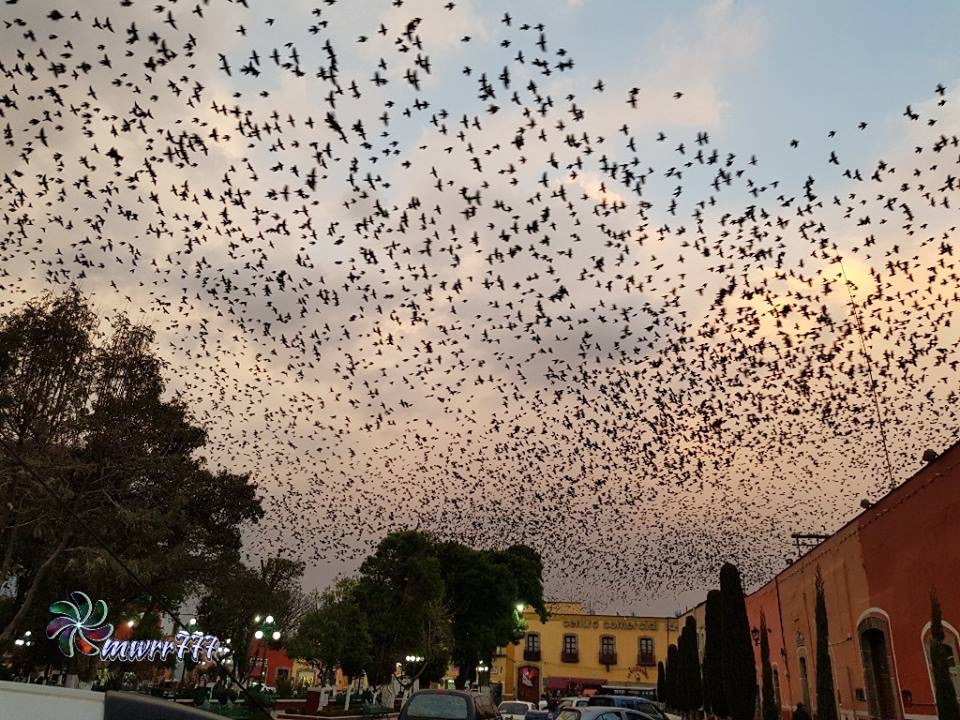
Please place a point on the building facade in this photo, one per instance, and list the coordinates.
(573, 651)
(878, 571)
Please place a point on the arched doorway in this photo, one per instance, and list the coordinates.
(876, 653)
(528, 684)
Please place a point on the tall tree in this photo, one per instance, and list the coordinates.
(682, 698)
(85, 433)
(826, 696)
(236, 595)
(690, 663)
(769, 710)
(944, 690)
(673, 673)
(713, 696)
(738, 671)
(334, 633)
(401, 587)
(661, 682)
(482, 589)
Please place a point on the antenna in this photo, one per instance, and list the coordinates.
(873, 384)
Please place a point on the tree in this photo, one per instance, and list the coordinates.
(86, 434)
(737, 669)
(661, 682)
(689, 657)
(713, 697)
(237, 594)
(944, 689)
(826, 696)
(769, 710)
(673, 677)
(334, 633)
(401, 588)
(482, 589)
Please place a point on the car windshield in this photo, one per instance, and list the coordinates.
(430, 705)
(569, 714)
(651, 709)
(602, 700)
(514, 708)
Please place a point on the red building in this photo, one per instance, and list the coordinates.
(878, 571)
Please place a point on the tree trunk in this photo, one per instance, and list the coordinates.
(28, 599)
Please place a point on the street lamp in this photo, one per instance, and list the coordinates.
(481, 669)
(265, 629)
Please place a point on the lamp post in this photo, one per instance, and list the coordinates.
(482, 669)
(266, 632)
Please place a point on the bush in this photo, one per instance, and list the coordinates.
(284, 688)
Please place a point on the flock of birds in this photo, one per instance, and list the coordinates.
(484, 314)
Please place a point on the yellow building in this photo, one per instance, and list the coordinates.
(573, 652)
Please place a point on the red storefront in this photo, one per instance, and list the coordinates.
(878, 571)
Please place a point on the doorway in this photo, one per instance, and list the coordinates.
(528, 684)
(877, 657)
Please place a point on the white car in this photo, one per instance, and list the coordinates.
(515, 709)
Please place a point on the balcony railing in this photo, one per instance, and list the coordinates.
(646, 659)
(570, 657)
(531, 655)
(608, 658)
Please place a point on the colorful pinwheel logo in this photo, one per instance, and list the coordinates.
(80, 624)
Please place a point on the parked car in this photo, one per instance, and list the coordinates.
(539, 714)
(600, 712)
(572, 702)
(448, 705)
(515, 709)
(646, 707)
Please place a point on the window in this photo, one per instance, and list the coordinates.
(609, 716)
(776, 686)
(646, 654)
(608, 650)
(283, 674)
(570, 650)
(531, 650)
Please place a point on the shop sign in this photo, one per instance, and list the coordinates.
(80, 627)
(611, 624)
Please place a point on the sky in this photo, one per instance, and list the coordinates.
(461, 324)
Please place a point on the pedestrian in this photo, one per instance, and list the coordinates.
(801, 712)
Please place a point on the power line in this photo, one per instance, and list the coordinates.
(873, 384)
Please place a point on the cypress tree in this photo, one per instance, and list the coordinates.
(944, 690)
(671, 698)
(826, 696)
(680, 697)
(737, 669)
(692, 684)
(713, 698)
(768, 702)
(661, 682)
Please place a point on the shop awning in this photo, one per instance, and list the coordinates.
(561, 683)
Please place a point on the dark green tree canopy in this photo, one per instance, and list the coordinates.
(714, 699)
(945, 692)
(96, 466)
(826, 696)
(738, 671)
(769, 710)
